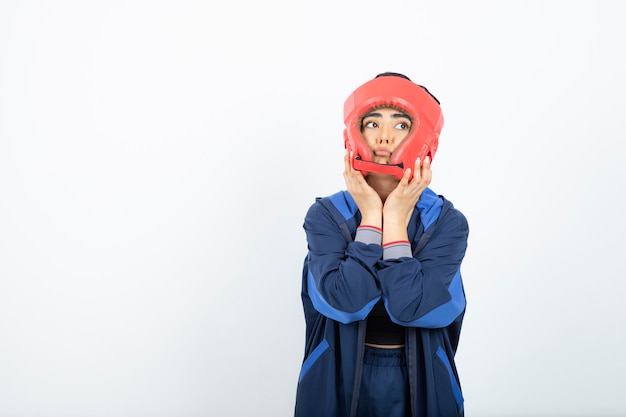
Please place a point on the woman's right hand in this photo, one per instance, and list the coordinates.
(366, 198)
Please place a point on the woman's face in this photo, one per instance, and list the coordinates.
(383, 130)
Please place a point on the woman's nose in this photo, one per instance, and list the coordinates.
(385, 137)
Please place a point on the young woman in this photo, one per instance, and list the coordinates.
(381, 288)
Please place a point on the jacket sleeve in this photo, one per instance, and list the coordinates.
(427, 290)
(341, 282)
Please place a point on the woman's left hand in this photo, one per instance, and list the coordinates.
(401, 202)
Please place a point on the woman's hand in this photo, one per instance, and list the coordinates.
(401, 202)
(366, 198)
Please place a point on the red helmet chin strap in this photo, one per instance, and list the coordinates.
(421, 141)
(396, 170)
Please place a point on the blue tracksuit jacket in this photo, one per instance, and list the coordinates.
(342, 280)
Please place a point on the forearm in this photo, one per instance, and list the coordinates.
(341, 274)
(394, 230)
(344, 287)
(427, 291)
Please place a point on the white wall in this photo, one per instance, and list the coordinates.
(157, 159)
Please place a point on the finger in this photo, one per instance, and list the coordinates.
(416, 170)
(350, 165)
(353, 176)
(418, 166)
(347, 160)
(346, 168)
(406, 176)
(426, 173)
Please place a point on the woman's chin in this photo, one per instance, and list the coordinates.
(377, 176)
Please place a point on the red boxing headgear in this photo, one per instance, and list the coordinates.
(416, 101)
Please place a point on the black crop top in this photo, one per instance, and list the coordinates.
(381, 330)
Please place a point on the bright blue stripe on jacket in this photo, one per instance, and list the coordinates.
(344, 202)
(312, 358)
(443, 315)
(429, 206)
(326, 309)
(456, 390)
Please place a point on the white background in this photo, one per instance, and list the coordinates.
(157, 159)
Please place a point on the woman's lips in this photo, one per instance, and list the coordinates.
(382, 152)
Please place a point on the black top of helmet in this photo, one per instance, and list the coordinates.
(397, 74)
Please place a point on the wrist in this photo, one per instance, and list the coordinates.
(372, 221)
(394, 231)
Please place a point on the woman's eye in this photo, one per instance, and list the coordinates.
(403, 126)
(371, 125)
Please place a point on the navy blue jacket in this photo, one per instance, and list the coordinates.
(342, 280)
